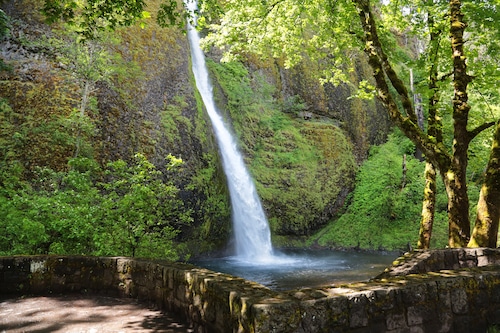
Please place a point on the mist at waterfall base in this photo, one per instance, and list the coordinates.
(254, 258)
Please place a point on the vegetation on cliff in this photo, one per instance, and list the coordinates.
(385, 203)
(104, 100)
(302, 167)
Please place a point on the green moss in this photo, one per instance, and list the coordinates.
(37, 126)
(300, 167)
(172, 119)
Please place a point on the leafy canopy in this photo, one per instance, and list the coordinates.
(91, 16)
(288, 30)
(329, 31)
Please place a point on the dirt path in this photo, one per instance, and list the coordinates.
(75, 313)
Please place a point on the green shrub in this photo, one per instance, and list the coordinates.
(133, 213)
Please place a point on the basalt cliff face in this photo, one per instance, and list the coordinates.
(302, 140)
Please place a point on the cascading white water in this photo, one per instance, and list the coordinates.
(251, 229)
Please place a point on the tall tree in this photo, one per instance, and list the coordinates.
(434, 129)
(452, 166)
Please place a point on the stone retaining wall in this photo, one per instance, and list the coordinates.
(419, 261)
(461, 300)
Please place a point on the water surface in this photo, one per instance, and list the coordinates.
(302, 268)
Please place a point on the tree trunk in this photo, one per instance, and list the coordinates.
(455, 177)
(428, 207)
(83, 106)
(452, 168)
(488, 208)
(419, 112)
(434, 130)
(458, 208)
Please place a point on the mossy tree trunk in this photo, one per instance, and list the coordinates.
(434, 130)
(86, 90)
(455, 178)
(488, 208)
(451, 166)
(428, 207)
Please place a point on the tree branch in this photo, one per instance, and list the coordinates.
(444, 77)
(434, 151)
(475, 132)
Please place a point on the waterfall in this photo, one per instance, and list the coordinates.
(250, 226)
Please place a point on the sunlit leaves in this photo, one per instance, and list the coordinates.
(286, 30)
(171, 14)
(365, 90)
(91, 16)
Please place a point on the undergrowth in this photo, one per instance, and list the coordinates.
(384, 210)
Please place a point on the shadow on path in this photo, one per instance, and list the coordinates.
(77, 313)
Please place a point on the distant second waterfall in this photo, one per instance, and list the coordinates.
(250, 225)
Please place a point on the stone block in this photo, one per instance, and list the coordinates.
(339, 310)
(418, 329)
(451, 260)
(421, 313)
(396, 320)
(414, 294)
(459, 301)
(462, 324)
(23, 264)
(444, 321)
(493, 316)
(316, 314)
(275, 315)
(123, 266)
(388, 297)
(358, 315)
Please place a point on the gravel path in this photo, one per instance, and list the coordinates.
(76, 313)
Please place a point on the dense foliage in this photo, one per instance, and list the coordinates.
(125, 209)
(385, 203)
